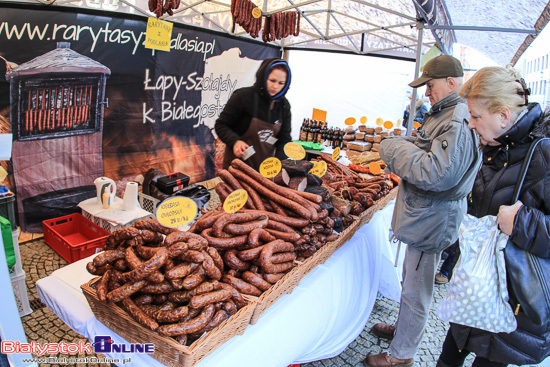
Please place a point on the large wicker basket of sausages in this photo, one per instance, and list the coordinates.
(162, 285)
(167, 350)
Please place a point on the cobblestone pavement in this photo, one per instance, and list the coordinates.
(43, 326)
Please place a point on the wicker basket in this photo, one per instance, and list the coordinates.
(321, 255)
(367, 215)
(283, 286)
(167, 350)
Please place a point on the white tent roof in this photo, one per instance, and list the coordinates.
(500, 29)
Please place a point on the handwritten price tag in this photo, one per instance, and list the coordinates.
(295, 151)
(270, 167)
(176, 211)
(336, 154)
(319, 168)
(158, 34)
(235, 201)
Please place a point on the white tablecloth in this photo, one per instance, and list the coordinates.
(324, 313)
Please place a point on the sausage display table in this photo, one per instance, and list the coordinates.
(326, 311)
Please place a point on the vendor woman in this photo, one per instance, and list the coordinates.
(258, 116)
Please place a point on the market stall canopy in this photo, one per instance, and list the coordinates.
(500, 29)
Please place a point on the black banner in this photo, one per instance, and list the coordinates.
(160, 107)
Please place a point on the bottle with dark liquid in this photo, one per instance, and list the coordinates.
(303, 131)
(311, 131)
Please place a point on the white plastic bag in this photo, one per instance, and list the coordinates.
(477, 294)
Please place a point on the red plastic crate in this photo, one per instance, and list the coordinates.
(74, 237)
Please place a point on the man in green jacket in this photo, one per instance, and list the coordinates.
(437, 170)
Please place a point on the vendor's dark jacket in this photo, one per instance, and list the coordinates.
(239, 110)
(493, 187)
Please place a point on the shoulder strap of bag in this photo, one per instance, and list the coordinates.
(524, 167)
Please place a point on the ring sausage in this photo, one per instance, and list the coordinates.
(181, 271)
(259, 234)
(170, 316)
(250, 254)
(180, 236)
(268, 251)
(212, 271)
(153, 225)
(229, 307)
(241, 285)
(109, 257)
(236, 296)
(256, 280)
(102, 286)
(204, 287)
(202, 300)
(147, 268)
(138, 314)
(283, 257)
(177, 249)
(224, 243)
(273, 278)
(220, 223)
(218, 261)
(232, 261)
(194, 279)
(238, 229)
(285, 236)
(191, 326)
(125, 290)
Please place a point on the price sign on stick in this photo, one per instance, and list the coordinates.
(176, 211)
(375, 168)
(388, 125)
(235, 201)
(270, 167)
(295, 151)
(379, 122)
(336, 154)
(363, 120)
(319, 168)
(350, 121)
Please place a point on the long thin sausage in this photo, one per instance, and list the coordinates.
(284, 201)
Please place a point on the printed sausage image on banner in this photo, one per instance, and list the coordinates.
(157, 111)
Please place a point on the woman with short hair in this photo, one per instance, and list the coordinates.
(507, 124)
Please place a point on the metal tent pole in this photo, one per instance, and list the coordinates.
(412, 109)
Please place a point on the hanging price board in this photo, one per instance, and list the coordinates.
(158, 34)
(295, 151)
(176, 211)
(319, 168)
(235, 201)
(336, 154)
(270, 167)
